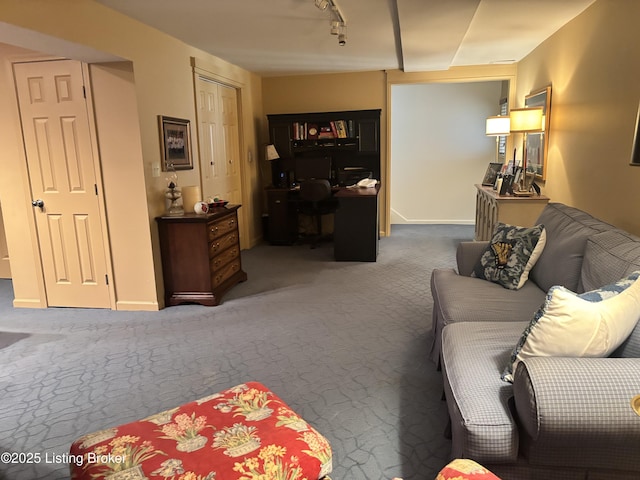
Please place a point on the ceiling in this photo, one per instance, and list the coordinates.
(285, 37)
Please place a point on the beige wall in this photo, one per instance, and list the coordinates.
(17, 212)
(5, 267)
(161, 84)
(116, 114)
(593, 65)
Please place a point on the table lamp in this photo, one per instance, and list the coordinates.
(498, 126)
(271, 153)
(272, 156)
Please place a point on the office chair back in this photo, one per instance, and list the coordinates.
(316, 200)
(315, 190)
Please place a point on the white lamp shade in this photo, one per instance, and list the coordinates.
(526, 120)
(271, 153)
(497, 126)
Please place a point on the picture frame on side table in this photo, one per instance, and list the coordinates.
(175, 143)
(493, 169)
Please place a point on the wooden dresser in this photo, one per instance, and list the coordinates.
(492, 208)
(200, 256)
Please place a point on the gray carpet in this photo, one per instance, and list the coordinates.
(345, 344)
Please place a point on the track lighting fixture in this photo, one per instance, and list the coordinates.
(322, 4)
(338, 24)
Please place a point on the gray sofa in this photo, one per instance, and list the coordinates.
(568, 418)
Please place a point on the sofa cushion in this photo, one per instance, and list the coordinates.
(482, 424)
(593, 324)
(510, 255)
(457, 298)
(567, 230)
(609, 256)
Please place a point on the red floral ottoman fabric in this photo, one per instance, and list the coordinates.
(243, 433)
(465, 469)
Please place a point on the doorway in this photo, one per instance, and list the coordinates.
(439, 149)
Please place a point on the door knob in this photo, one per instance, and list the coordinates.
(38, 203)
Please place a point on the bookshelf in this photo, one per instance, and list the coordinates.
(351, 138)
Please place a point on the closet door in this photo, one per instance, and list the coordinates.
(219, 140)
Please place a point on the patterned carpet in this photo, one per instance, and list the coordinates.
(344, 344)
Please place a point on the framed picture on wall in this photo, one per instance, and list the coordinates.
(175, 143)
(537, 144)
(635, 149)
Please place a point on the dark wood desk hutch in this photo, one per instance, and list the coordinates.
(200, 256)
(350, 140)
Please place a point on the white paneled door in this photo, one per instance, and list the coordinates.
(219, 140)
(58, 147)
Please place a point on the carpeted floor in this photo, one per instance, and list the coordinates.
(345, 344)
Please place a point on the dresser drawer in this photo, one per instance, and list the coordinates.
(225, 257)
(218, 245)
(221, 227)
(217, 278)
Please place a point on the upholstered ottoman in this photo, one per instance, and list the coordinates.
(465, 469)
(243, 433)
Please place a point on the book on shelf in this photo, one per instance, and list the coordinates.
(326, 132)
(334, 129)
(313, 131)
(341, 129)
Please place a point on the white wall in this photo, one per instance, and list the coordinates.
(439, 149)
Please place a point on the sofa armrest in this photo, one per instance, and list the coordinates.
(578, 411)
(468, 254)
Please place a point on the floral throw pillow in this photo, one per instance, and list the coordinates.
(465, 469)
(592, 324)
(511, 254)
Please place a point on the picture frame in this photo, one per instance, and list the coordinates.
(175, 143)
(493, 169)
(537, 144)
(502, 139)
(635, 148)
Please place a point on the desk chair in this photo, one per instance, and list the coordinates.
(316, 200)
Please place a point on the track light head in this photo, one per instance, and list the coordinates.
(342, 34)
(322, 4)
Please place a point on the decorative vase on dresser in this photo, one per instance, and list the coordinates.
(492, 208)
(200, 256)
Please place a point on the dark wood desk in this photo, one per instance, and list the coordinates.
(355, 231)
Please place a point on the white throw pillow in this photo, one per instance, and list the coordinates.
(592, 324)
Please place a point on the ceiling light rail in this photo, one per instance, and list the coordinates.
(338, 23)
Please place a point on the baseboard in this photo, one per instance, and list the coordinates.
(435, 222)
(138, 306)
(22, 303)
